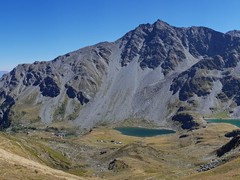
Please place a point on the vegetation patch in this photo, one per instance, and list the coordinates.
(60, 111)
(220, 114)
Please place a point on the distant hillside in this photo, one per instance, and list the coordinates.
(2, 73)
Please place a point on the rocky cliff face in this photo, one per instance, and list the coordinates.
(154, 72)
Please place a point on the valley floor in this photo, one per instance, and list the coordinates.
(104, 153)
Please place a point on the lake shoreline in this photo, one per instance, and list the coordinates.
(235, 122)
(222, 118)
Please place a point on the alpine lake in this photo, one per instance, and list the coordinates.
(235, 122)
(148, 132)
(143, 132)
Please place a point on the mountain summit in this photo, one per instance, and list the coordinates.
(159, 73)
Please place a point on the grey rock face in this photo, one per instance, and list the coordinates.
(153, 72)
(232, 144)
(5, 109)
(186, 120)
(48, 87)
(235, 33)
(155, 45)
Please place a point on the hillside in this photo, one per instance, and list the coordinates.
(30, 153)
(157, 72)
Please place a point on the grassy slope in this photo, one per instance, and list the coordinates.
(164, 157)
(230, 170)
(17, 162)
(176, 158)
(16, 167)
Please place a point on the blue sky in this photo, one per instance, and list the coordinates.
(34, 30)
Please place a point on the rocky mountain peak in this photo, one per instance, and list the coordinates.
(159, 24)
(234, 33)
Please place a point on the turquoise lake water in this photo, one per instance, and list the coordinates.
(143, 132)
(235, 122)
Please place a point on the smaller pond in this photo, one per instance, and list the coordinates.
(143, 132)
(235, 122)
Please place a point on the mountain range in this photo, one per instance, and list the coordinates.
(169, 76)
(2, 73)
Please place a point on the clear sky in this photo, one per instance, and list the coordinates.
(34, 30)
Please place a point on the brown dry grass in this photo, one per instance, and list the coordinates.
(161, 157)
(179, 157)
(16, 167)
